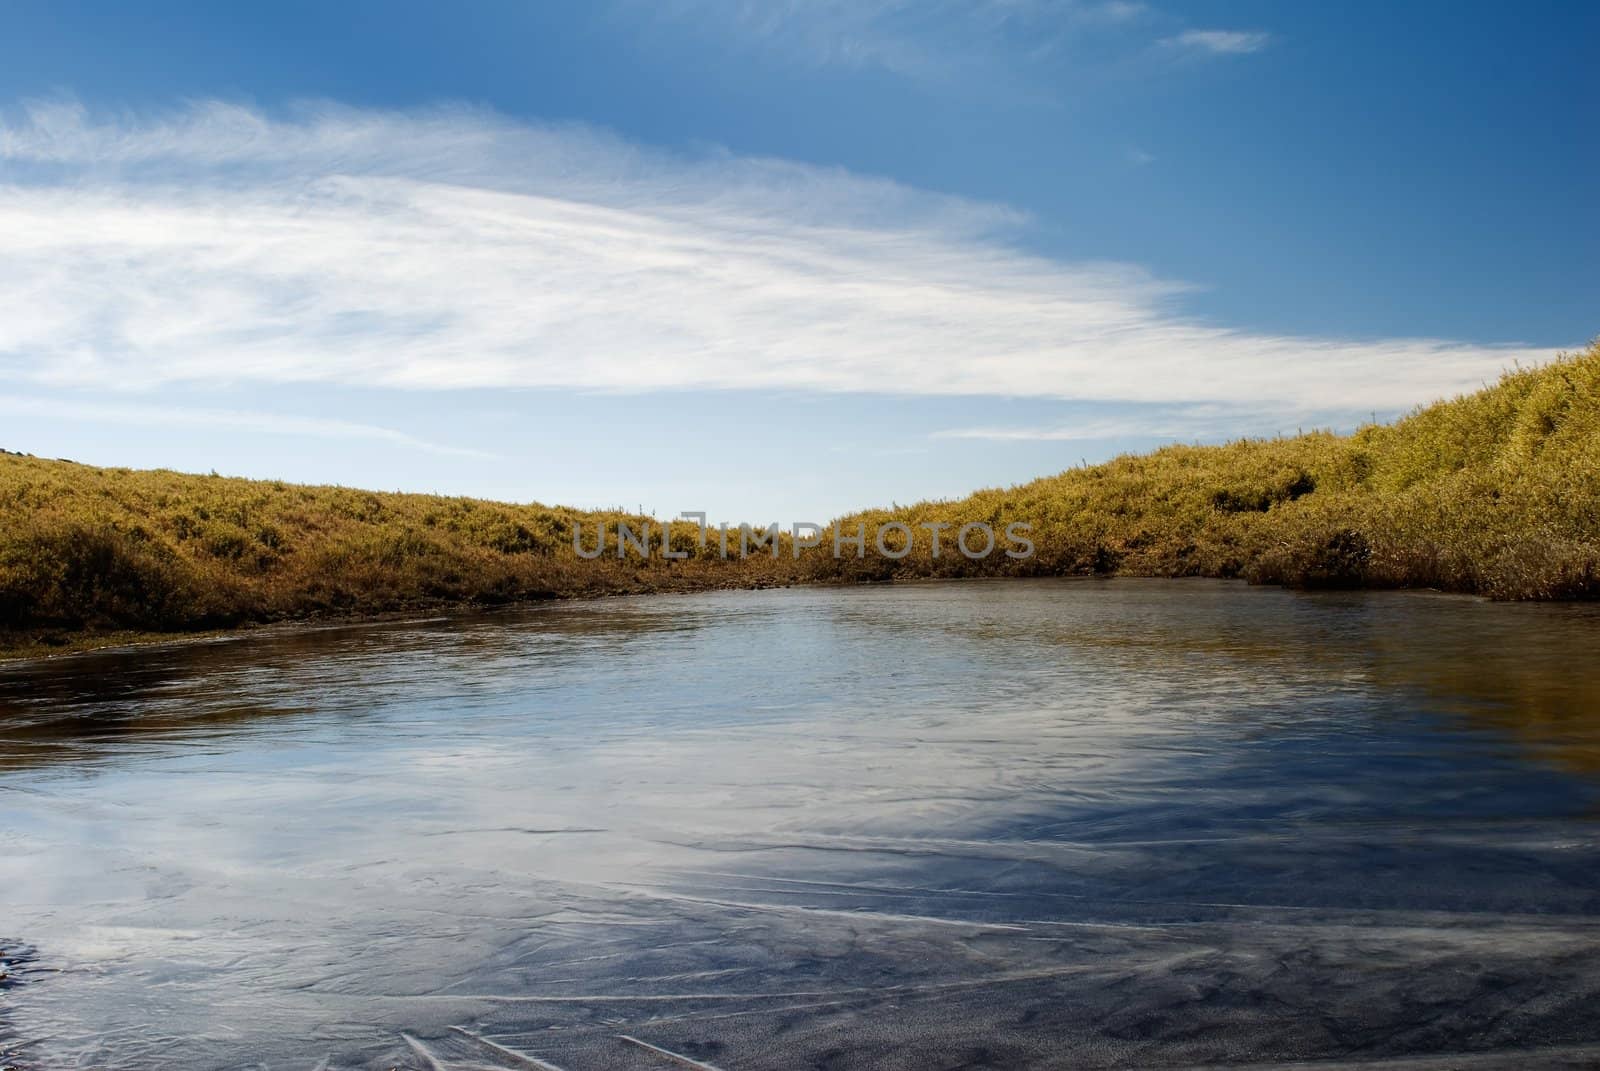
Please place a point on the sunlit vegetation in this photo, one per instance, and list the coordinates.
(1496, 493)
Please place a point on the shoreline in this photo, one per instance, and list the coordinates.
(1496, 494)
(82, 643)
(93, 643)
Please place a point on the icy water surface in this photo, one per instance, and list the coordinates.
(989, 824)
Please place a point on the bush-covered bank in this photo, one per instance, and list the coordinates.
(1495, 493)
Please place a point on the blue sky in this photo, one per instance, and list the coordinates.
(774, 260)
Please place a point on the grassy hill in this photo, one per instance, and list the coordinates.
(1496, 493)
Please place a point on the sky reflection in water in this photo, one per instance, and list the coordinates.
(990, 824)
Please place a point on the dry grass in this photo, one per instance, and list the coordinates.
(1496, 493)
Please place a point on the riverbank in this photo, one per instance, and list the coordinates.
(55, 644)
(1496, 493)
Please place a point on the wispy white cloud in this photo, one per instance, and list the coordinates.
(923, 40)
(234, 420)
(1187, 423)
(1221, 42)
(456, 249)
(1180, 423)
(822, 33)
(1124, 10)
(1088, 431)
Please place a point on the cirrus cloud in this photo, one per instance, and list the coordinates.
(458, 249)
(1221, 42)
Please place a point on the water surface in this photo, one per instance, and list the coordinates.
(985, 824)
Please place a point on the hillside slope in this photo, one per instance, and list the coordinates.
(1496, 493)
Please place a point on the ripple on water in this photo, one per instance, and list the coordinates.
(989, 824)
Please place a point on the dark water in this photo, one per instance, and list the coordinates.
(992, 824)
